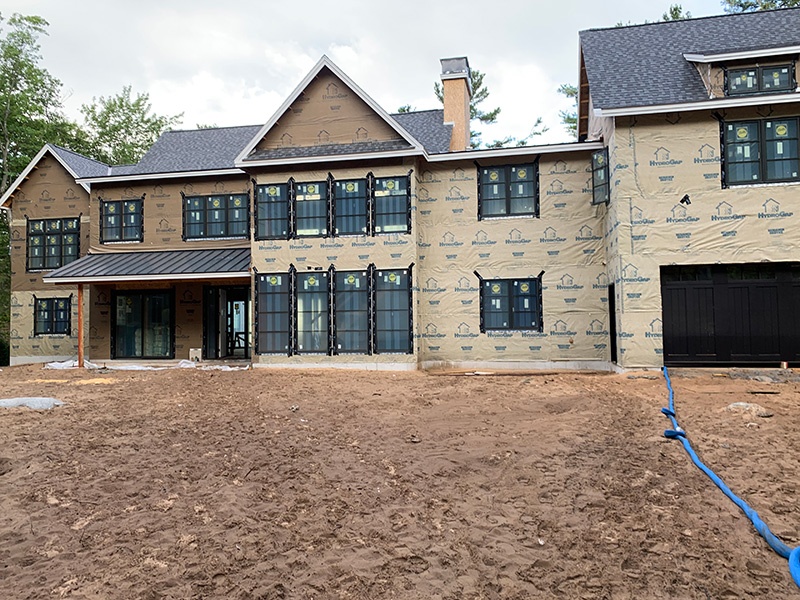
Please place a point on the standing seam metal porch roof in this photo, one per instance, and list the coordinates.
(158, 265)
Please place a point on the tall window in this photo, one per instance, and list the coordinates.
(761, 151)
(222, 216)
(52, 316)
(311, 208)
(508, 191)
(273, 314)
(392, 311)
(350, 207)
(777, 78)
(600, 189)
(272, 212)
(351, 311)
(312, 312)
(511, 304)
(121, 220)
(52, 243)
(363, 312)
(392, 202)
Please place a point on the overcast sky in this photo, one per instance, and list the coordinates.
(234, 63)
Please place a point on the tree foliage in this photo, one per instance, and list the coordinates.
(29, 95)
(480, 93)
(739, 6)
(569, 118)
(675, 13)
(121, 128)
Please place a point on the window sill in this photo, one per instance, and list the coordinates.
(206, 239)
(504, 217)
(762, 184)
(116, 242)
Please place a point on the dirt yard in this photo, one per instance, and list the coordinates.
(328, 484)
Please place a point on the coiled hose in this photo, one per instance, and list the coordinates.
(778, 546)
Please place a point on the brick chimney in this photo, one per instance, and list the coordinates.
(457, 92)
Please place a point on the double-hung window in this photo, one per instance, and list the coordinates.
(311, 209)
(753, 80)
(52, 316)
(600, 175)
(312, 312)
(392, 204)
(350, 207)
(52, 243)
(121, 220)
(761, 151)
(272, 211)
(511, 304)
(351, 311)
(392, 311)
(508, 191)
(218, 216)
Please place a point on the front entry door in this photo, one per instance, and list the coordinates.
(226, 318)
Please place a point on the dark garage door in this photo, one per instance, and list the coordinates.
(735, 314)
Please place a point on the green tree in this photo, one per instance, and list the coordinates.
(739, 6)
(121, 129)
(480, 93)
(675, 13)
(406, 108)
(29, 95)
(569, 118)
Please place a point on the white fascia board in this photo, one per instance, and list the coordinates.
(324, 62)
(745, 54)
(516, 151)
(128, 278)
(18, 181)
(716, 103)
(332, 158)
(124, 178)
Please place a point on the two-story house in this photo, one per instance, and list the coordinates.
(700, 120)
(339, 234)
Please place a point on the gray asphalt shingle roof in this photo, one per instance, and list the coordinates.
(166, 262)
(643, 65)
(428, 128)
(80, 164)
(195, 150)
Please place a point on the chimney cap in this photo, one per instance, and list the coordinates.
(457, 68)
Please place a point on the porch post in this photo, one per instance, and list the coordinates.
(80, 325)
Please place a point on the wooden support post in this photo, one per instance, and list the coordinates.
(80, 325)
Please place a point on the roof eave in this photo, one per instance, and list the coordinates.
(516, 151)
(168, 175)
(740, 55)
(701, 105)
(156, 277)
(330, 158)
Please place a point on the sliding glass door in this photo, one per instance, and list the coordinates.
(143, 324)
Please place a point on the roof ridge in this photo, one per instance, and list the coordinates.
(83, 156)
(416, 112)
(208, 129)
(678, 21)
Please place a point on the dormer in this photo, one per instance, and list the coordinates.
(766, 71)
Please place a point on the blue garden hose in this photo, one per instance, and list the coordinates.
(774, 543)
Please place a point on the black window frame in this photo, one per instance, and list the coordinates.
(206, 223)
(51, 324)
(121, 207)
(509, 291)
(601, 188)
(374, 312)
(45, 231)
(402, 217)
(737, 134)
(484, 179)
(343, 306)
(274, 306)
(282, 194)
(760, 87)
(373, 218)
(344, 200)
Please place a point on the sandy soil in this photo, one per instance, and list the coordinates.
(328, 484)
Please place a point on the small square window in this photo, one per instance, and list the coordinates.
(52, 316)
(511, 304)
(508, 191)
